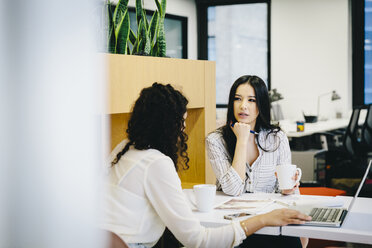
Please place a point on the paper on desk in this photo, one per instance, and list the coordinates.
(250, 206)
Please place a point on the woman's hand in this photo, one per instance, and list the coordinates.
(290, 191)
(241, 131)
(284, 216)
(278, 217)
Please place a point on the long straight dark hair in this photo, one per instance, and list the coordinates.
(263, 119)
(157, 122)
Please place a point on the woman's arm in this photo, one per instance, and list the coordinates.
(229, 179)
(163, 189)
(242, 133)
(278, 217)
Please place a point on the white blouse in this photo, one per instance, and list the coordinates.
(260, 176)
(144, 196)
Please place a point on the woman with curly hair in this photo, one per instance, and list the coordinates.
(145, 193)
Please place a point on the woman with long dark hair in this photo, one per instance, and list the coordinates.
(144, 191)
(245, 151)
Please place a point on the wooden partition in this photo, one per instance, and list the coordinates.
(128, 75)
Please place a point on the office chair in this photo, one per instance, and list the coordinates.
(367, 131)
(350, 141)
(348, 161)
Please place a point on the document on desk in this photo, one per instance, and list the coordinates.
(249, 206)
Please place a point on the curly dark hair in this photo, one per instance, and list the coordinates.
(157, 121)
(263, 119)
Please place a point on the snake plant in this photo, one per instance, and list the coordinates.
(150, 36)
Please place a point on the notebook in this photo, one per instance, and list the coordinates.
(334, 217)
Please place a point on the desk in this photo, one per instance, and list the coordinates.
(215, 218)
(357, 226)
(290, 127)
(311, 161)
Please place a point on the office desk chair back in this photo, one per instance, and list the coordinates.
(350, 140)
(334, 217)
(367, 130)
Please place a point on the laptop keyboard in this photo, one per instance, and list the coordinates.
(324, 214)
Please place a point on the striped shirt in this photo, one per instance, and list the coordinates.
(260, 176)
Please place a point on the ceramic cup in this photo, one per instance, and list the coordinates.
(285, 174)
(204, 196)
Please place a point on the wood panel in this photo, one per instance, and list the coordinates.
(129, 74)
(195, 131)
(209, 113)
(196, 149)
(119, 124)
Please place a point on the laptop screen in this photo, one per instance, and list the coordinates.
(360, 185)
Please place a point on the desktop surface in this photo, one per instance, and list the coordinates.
(357, 227)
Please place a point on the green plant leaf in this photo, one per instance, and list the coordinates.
(161, 40)
(132, 37)
(128, 49)
(138, 12)
(111, 30)
(122, 34)
(139, 31)
(119, 12)
(145, 21)
(147, 48)
(163, 7)
(145, 45)
(159, 7)
(154, 50)
(154, 25)
(140, 44)
(135, 47)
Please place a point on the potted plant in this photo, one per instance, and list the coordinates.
(150, 36)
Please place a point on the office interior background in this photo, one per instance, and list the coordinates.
(52, 96)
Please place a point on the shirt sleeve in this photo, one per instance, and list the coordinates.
(163, 189)
(230, 181)
(284, 155)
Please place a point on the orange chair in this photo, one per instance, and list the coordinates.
(321, 191)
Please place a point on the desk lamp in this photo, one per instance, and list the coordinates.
(334, 97)
(274, 95)
(276, 112)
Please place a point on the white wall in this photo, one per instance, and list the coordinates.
(186, 8)
(310, 52)
(310, 55)
(51, 97)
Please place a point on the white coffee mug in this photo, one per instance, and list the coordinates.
(204, 196)
(285, 174)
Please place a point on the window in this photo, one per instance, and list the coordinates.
(362, 51)
(235, 34)
(368, 52)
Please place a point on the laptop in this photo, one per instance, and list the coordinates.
(334, 217)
